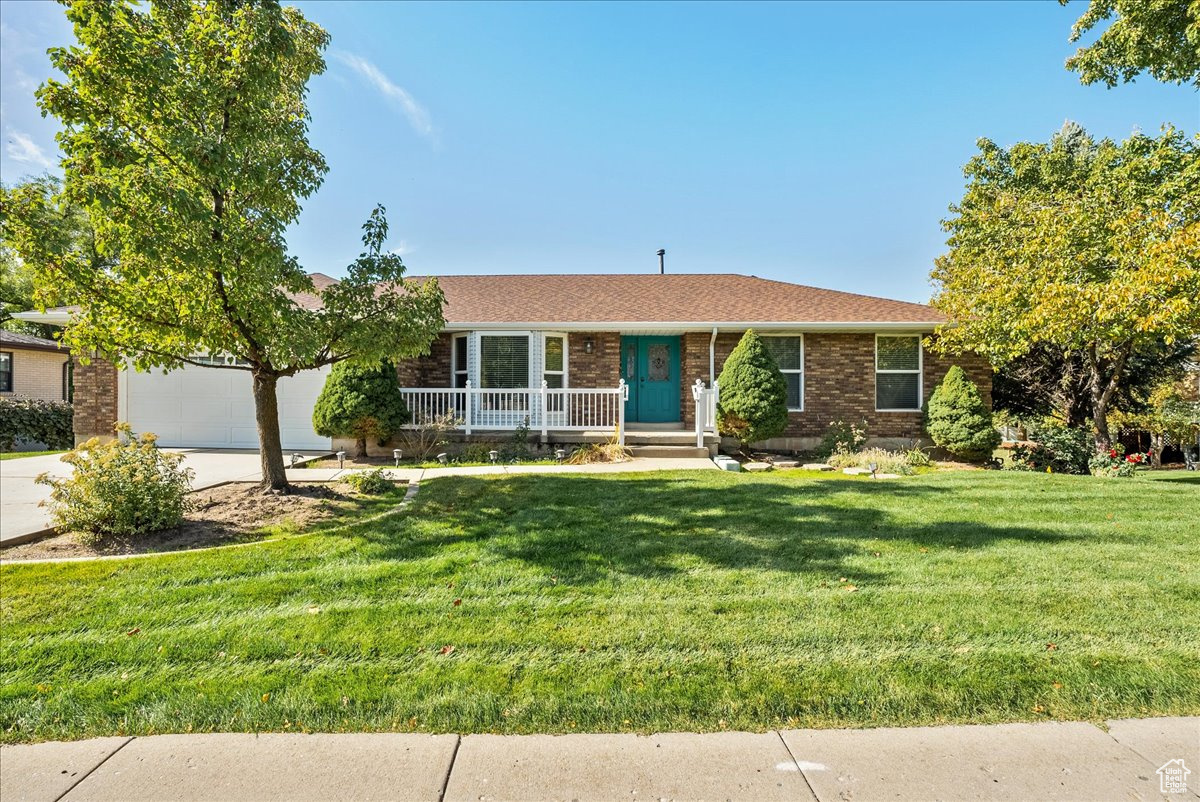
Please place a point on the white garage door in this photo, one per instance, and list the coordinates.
(214, 408)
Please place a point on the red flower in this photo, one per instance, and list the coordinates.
(1112, 452)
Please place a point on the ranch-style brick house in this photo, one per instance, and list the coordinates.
(579, 357)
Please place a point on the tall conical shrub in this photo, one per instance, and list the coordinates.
(958, 420)
(360, 401)
(753, 402)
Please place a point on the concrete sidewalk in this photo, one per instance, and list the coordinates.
(1045, 761)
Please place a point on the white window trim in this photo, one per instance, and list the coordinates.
(920, 371)
(455, 368)
(534, 358)
(566, 356)
(803, 361)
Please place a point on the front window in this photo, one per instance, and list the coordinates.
(898, 373)
(6, 372)
(789, 355)
(503, 361)
(458, 360)
(554, 371)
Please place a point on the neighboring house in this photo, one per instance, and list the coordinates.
(33, 367)
(577, 356)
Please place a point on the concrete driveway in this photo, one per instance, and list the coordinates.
(21, 516)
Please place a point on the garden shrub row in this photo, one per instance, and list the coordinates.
(26, 420)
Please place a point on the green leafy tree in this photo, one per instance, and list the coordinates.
(360, 401)
(1161, 37)
(68, 225)
(185, 136)
(958, 420)
(1087, 249)
(753, 402)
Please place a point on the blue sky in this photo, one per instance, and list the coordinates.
(815, 143)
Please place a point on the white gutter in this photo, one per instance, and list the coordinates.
(60, 318)
(712, 357)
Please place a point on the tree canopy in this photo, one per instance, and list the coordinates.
(1089, 249)
(65, 224)
(185, 137)
(1161, 37)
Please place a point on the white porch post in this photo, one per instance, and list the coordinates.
(701, 424)
(467, 409)
(545, 425)
(622, 396)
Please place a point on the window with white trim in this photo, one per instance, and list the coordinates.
(6, 372)
(789, 355)
(554, 362)
(458, 360)
(898, 361)
(503, 360)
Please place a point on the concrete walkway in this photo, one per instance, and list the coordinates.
(638, 464)
(1046, 761)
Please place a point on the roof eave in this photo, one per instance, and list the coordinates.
(698, 325)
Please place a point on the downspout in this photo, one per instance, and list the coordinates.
(712, 357)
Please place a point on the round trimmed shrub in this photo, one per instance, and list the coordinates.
(753, 401)
(119, 489)
(958, 420)
(360, 401)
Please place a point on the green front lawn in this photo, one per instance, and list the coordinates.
(667, 601)
(20, 454)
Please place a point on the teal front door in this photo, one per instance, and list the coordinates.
(650, 366)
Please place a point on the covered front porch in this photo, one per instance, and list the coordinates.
(562, 386)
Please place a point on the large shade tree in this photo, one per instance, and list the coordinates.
(1088, 249)
(1161, 37)
(185, 139)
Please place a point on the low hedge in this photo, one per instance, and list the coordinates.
(33, 420)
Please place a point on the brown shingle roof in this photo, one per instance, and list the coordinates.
(674, 298)
(13, 339)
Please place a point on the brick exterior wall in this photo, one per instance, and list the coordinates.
(431, 370)
(839, 384)
(839, 379)
(36, 373)
(95, 399)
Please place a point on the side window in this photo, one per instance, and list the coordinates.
(458, 360)
(789, 354)
(6, 372)
(897, 373)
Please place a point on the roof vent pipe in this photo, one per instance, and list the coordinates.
(661, 268)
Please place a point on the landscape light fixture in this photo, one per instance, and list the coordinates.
(873, 466)
(341, 455)
(560, 454)
(443, 458)
(396, 455)
(494, 455)
(296, 458)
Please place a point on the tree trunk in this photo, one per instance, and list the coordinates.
(266, 414)
(360, 448)
(1156, 445)
(1102, 390)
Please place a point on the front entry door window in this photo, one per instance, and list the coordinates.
(650, 366)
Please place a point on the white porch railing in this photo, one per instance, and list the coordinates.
(540, 408)
(706, 399)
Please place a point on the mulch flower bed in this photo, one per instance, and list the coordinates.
(231, 513)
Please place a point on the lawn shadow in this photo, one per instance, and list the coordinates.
(586, 529)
